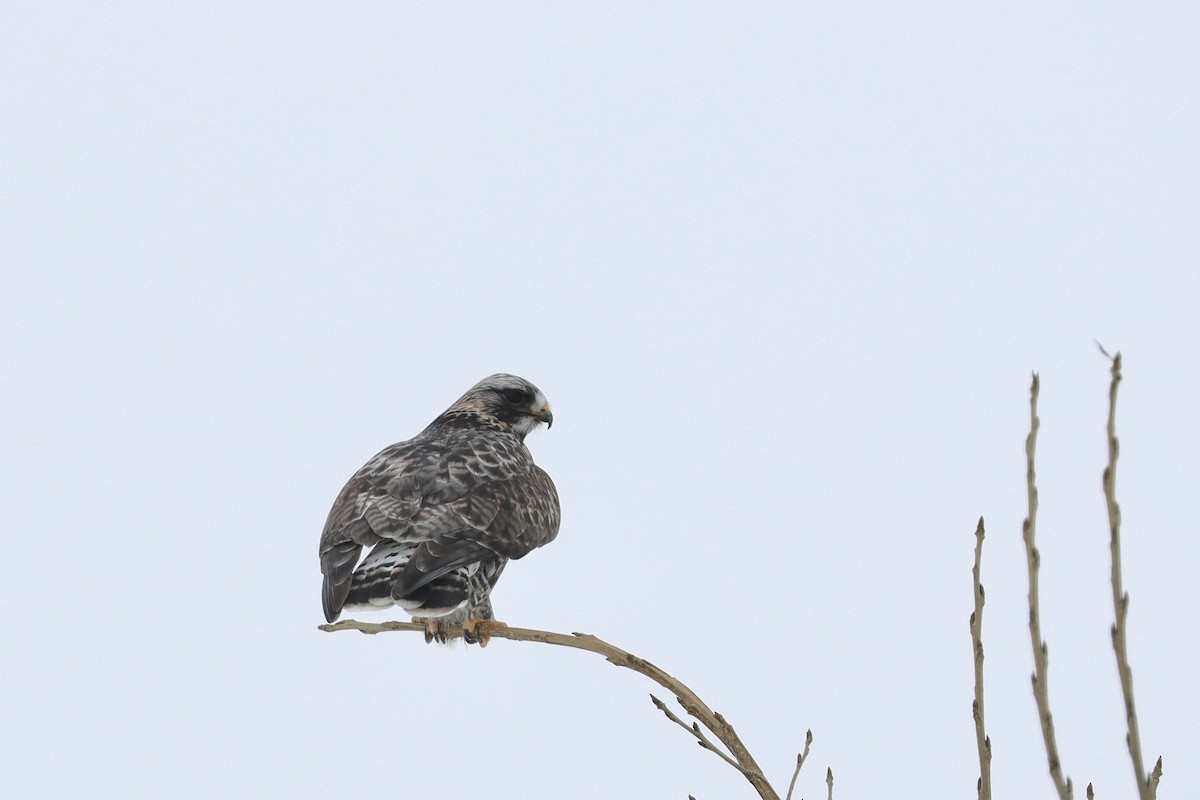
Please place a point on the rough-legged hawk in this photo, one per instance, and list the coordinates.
(443, 512)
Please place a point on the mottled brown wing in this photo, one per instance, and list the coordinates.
(461, 496)
(501, 519)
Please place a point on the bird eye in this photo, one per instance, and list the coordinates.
(515, 396)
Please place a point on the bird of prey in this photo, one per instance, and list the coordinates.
(443, 513)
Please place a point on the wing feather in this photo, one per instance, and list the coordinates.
(461, 498)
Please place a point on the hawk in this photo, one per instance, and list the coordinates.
(443, 513)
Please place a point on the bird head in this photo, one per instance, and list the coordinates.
(513, 401)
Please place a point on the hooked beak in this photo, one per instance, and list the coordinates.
(543, 415)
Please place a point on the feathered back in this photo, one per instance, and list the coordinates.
(462, 494)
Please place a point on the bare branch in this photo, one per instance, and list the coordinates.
(694, 730)
(829, 781)
(1041, 692)
(691, 703)
(1120, 598)
(982, 743)
(808, 738)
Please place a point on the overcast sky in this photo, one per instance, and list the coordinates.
(783, 271)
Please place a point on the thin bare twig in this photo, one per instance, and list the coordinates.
(695, 730)
(982, 743)
(808, 738)
(691, 703)
(1041, 692)
(1146, 789)
(829, 781)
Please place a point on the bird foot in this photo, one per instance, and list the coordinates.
(433, 629)
(472, 633)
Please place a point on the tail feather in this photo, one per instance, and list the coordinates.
(374, 577)
(379, 582)
(337, 565)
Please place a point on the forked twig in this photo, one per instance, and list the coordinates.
(1147, 784)
(982, 743)
(695, 730)
(739, 756)
(1041, 692)
(808, 738)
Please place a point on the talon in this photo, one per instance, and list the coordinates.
(432, 628)
(472, 634)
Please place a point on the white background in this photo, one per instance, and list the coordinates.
(783, 270)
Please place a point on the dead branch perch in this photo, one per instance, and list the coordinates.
(738, 755)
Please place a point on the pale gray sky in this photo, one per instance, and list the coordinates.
(783, 271)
